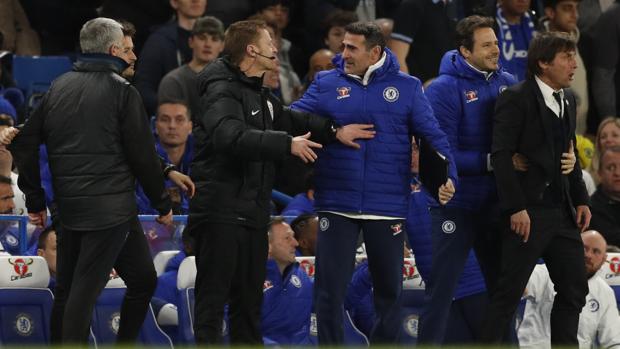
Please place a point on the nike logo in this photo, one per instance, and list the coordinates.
(254, 112)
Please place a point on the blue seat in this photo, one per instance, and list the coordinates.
(36, 73)
(106, 319)
(25, 301)
(352, 335)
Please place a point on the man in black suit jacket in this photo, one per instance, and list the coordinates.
(545, 207)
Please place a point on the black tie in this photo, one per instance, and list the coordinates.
(558, 99)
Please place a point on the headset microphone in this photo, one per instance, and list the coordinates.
(268, 57)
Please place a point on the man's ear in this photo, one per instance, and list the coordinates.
(114, 50)
(466, 53)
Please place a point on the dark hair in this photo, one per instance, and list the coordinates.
(128, 28)
(174, 101)
(268, 21)
(553, 3)
(6, 180)
(41, 242)
(300, 223)
(238, 36)
(210, 25)
(466, 27)
(544, 47)
(371, 32)
(338, 18)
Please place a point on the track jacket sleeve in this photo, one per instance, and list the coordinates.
(424, 124)
(444, 97)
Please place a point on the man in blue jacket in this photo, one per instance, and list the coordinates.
(463, 97)
(287, 291)
(367, 188)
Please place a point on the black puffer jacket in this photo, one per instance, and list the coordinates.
(237, 144)
(98, 140)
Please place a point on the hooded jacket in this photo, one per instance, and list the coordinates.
(463, 99)
(375, 178)
(236, 145)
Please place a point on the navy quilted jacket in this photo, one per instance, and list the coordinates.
(374, 179)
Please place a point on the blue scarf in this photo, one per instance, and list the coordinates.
(506, 38)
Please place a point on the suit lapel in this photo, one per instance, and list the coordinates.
(570, 111)
(545, 116)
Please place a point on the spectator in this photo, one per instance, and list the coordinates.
(8, 117)
(9, 239)
(334, 28)
(607, 135)
(275, 14)
(463, 96)
(422, 33)
(606, 199)
(306, 227)
(287, 291)
(515, 29)
(302, 202)
(562, 15)
(599, 322)
(15, 31)
(207, 42)
(321, 60)
(46, 248)
(173, 128)
(367, 188)
(144, 14)
(387, 26)
(606, 70)
(167, 49)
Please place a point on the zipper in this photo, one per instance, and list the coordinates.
(365, 153)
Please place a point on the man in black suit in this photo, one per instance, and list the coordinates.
(545, 207)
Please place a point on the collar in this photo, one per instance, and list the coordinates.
(487, 75)
(547, 93)
(99, 61)
(371, 69)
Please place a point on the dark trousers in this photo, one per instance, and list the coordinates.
(335, 261)
(84, 262)
(455, 231)
(231, 269)
(555, 238)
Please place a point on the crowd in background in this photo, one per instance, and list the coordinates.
(175, 40)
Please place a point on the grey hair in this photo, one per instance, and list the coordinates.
(97, 35)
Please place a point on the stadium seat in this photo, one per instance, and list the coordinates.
(352, 335)
(185, 284)
(106, 318)
(308, 264)
(36, 73)
(25, 301)
(412, 301)
(161, 260)
(611, 274)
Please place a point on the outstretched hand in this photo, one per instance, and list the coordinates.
(347, 134)
(301, 146)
